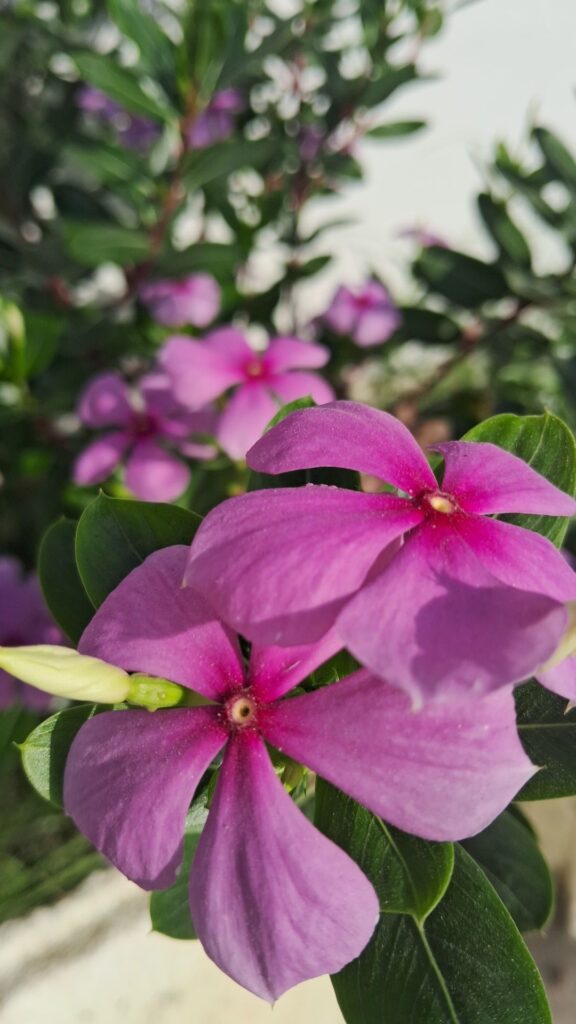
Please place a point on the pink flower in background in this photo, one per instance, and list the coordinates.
(201, 371)
(273, 901)
(426, 589)
(217, 121)
(367, 314)
(150, 428)
(24, 619)
(191, 300)
(132, 130)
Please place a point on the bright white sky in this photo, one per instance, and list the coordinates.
(503, 64)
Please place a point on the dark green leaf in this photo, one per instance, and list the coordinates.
(123, 86)
(382, 88)
(115, 536)
(508, 854)
(212, 257)
(426, 325)
(557, 156)
(462, 279)
(466, 965)
(170, 909)
(61, 585)
(548, 734)
(93, 244)
(45, 750)
(508, 238)
(395, 129)
(156, 50)
(546, 444)
(205, 165)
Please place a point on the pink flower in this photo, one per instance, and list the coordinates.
(201, 371)
(217, 121)
(367, 314)
(273, 901)
(191, 300)
(426, 588)
(24, 619)
(150, 424)
(132, 131)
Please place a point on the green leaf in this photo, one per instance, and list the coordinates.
(212, 257)
(205, 165)
(61, 584)
(93, 244)
(466, 965)
(395, 129)
(548, 734)
(557, 156)
(114, 536)
(390, 80)
(462, 279)
(546, 444)
(508, 238)
(508, 853)
(426, 325)
(170, 909)
(45, 750)
(105, 162)
(409, 874)
(123, 86)
(156, 50)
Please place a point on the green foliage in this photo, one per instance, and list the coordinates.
(60, 581)
(170, 909)
(548, 733)
(45, 750)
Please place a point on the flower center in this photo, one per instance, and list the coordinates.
(441, 503)
(254, 369)
(241, 711)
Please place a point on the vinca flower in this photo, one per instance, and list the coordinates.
(150, 426)
(24, 619)
(132, 130)
(217, 121)
(273, 901)
(367, 314)
(201, 371)
(426, 587)
(191, 300)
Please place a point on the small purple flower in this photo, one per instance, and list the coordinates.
(24, 619)
(132, 130)
(217, 121)
(263, 381)
(273, 901)
(427, 589)
(367, 314)
(191, 300)
(150, 424)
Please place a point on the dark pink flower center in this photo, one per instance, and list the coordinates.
(142, 425)
(254, 369)
(437, 504)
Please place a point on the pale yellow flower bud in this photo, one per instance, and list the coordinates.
(65, 673)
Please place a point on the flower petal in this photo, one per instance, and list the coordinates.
(375, 326)
(292, 353)
(105, 402)
(274, 902)
(275, 670)
(153, 474)
(245, 418)
(443, 772)
(129, 780)
(150, 623)
(342, 314)
(435, 622)
(299, 384)
(279, 564)
(99, 459)
(201, 370)
(346, 435)
(486, 479)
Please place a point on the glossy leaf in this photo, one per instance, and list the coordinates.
(548, 733)
(508, 853)
(61, 584)
(170, 909)
(115, 536)
(462, 279)
(45, 750)
(546, 444)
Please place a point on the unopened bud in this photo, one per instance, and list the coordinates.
(65, 673)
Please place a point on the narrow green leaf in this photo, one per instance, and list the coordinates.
(45, 750)
(156, 50)
(546, 444)
(205, 165)
(508, 853)
(114, 536)
(462, 279)
(557, 156)
(170, 909)
(427, 325)
(395, 129)
(93, 244)
(213, 257)
(122, 85)
(61, 584)
(548, 734)
(508, 238)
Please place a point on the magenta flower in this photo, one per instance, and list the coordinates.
(201, 371)
(24, 619)
(191, 300)
(367, 314)
(150, 427)
(273, 901)
(427, 589)
(132, 130)
(217, 121)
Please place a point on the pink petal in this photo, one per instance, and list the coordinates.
(99, 459)
(436, 622)
(152, 474)
(520, 557)
(202, 370)
(279, 564)
(151, 623)
(347, 435)
(273, 901)
(105, 402)
(129, 780)
(299, 384)
(485, 479)
(275, 670)
(342, 314)
(291, 353)
(443, 772)
(561, 679)
(375, 326)
(245, 418)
